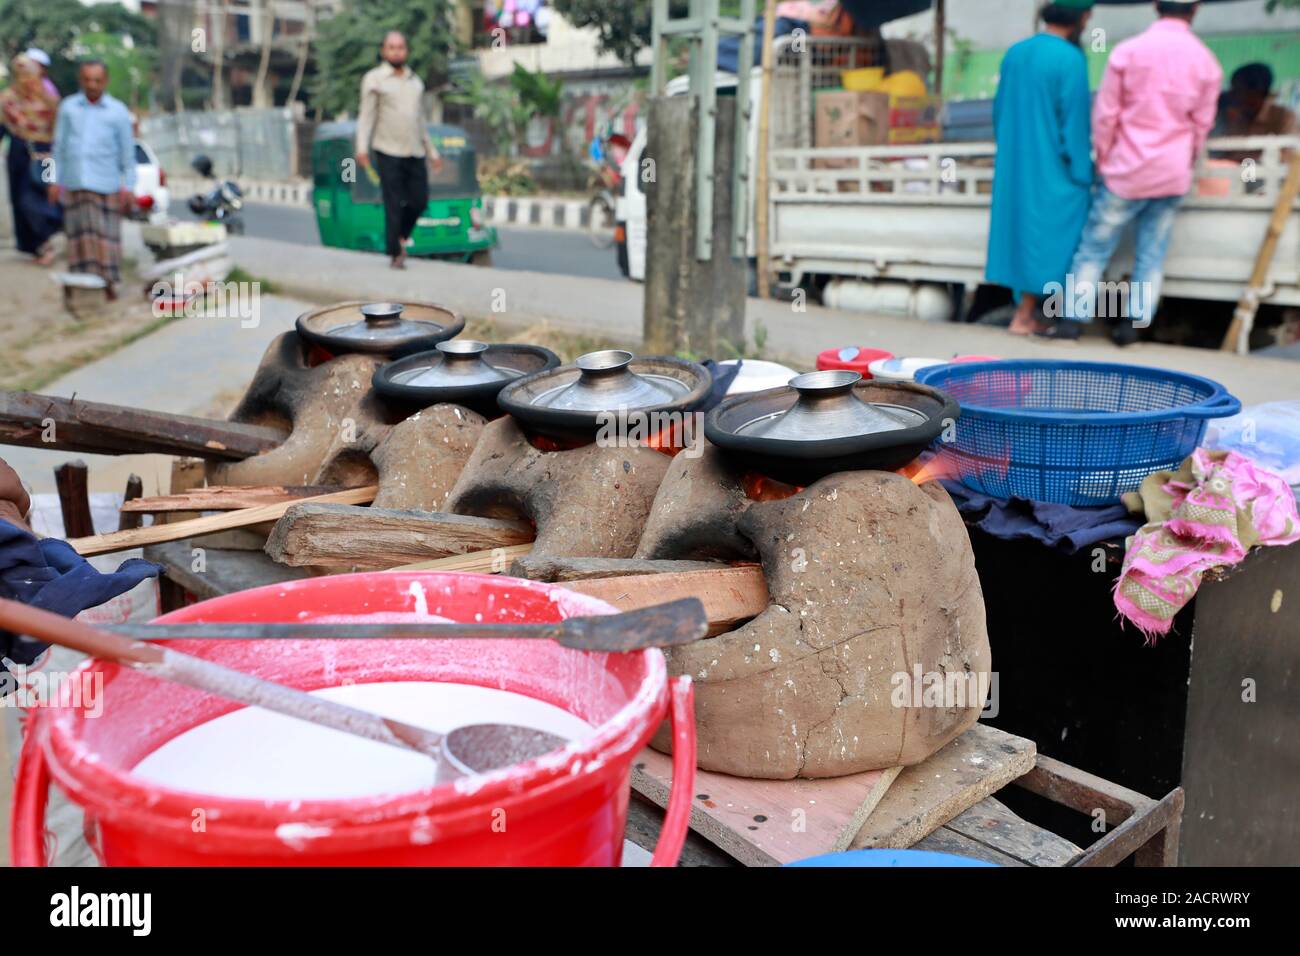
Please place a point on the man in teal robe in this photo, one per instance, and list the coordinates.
(1043, 175)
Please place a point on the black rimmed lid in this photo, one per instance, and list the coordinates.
(576, 400)
(803, 432)
(384, 328)
(461, 371)
(828, 407)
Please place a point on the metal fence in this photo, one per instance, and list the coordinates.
(246, 143)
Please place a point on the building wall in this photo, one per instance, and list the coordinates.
(568, 49)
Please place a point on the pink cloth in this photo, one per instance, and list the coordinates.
(1154, 110)
(1216, 507)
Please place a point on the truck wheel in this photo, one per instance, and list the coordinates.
(481, 258)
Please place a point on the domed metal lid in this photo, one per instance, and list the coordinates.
(457, 362)
(829, 421)
(386, 328)
(828, 408)
(574, 400)
(461, 371)
(606, 382)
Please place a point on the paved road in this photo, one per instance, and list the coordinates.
(552, 251)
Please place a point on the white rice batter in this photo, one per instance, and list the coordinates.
(258, 754)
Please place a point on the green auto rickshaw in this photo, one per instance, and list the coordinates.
(350, 209)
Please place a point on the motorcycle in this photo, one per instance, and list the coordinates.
(220, 204)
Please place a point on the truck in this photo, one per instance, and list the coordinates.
(903, 229)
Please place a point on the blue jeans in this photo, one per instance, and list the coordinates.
(1108, 216)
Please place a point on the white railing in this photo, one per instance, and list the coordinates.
(962, 173)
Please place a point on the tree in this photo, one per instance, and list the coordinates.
(348, 45)
(62, 29)
(624, 25)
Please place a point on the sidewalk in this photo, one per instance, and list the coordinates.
(192, 366)
(612, 310)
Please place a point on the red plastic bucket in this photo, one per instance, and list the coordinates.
(566, 808)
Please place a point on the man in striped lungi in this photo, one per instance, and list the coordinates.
(94, 167)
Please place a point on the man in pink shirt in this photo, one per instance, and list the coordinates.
(1155, 108)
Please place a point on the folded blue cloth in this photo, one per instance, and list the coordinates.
(47, 573)
(1064, 527)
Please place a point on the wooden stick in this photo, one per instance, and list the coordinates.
(74, 499)
(167, 664)
(730, 595)
(488, 562)
(66, 424)
(134, 490)
(1237, 338)
(312, 534)
(207, 524)
(226, 498)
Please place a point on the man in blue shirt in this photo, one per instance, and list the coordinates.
(94, 170)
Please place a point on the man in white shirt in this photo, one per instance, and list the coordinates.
(391, 128)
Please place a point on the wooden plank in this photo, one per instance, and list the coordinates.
(494, 561)
(1082, 791)
(225, 498)
(214, 572)
(74, 499)
(207, 524)
(134, 490)
(1135, 832)
(645, 820)
(70, 424)
(989, 822)
(553, 569)
(731, 596)
(314, 534)
(769, 822)
(929, 794)
(946, 840)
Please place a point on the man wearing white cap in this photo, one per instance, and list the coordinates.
(1152, 115)
(39, 56)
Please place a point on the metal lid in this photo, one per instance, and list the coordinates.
(826, 422)
(457, 362)
(572, 400)
(606, 382)
(828, 408)
(387, 328)
(461, 371)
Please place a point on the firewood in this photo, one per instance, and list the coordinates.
(731, 596)
(69, 424)
(491, 561)
(207, 524)
(368, 539)
(227, 498)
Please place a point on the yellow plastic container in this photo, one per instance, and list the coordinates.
(862, 80)
(903, 83)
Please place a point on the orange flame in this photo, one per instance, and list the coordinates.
(762, 488)
(929, 468)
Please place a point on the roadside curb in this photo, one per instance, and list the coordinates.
(540, 211)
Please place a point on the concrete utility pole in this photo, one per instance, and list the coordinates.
(217, 28)
(695, 175)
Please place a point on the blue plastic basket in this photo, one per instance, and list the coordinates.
(1074, 433)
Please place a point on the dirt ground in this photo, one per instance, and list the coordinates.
(40, 339)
